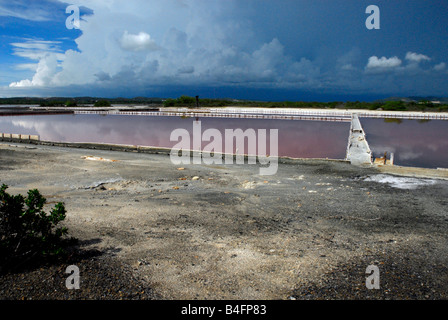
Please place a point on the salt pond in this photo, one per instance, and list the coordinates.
(419, 143)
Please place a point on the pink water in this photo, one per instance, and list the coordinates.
(414, 143)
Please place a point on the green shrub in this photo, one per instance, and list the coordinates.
(51, 103)
(186, 100)
(70, 103)
(443, 108)
(169, 103)
(27, 233)
(394, 106)
(102, 103)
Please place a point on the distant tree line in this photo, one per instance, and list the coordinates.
(69, 101)
(186, 101)
(191, 102)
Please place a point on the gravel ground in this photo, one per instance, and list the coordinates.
(103, 278)
(402, 277)
(153, 230)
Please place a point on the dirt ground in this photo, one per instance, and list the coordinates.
(226, 232)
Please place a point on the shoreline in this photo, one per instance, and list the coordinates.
(227, 109)
(437, 173)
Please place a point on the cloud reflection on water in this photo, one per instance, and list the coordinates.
(414, 143)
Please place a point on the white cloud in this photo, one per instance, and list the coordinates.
(416, 57)
(136, 46)
(137, 42)
(33, 10)
(45, 71)
(36, 49)
(47, 54)
(153, 43)
(383, 62)
(441, 66)
(31, 14)
(26, 66)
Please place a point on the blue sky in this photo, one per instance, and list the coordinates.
(244, 49)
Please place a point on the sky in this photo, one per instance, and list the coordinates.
(319, 50)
